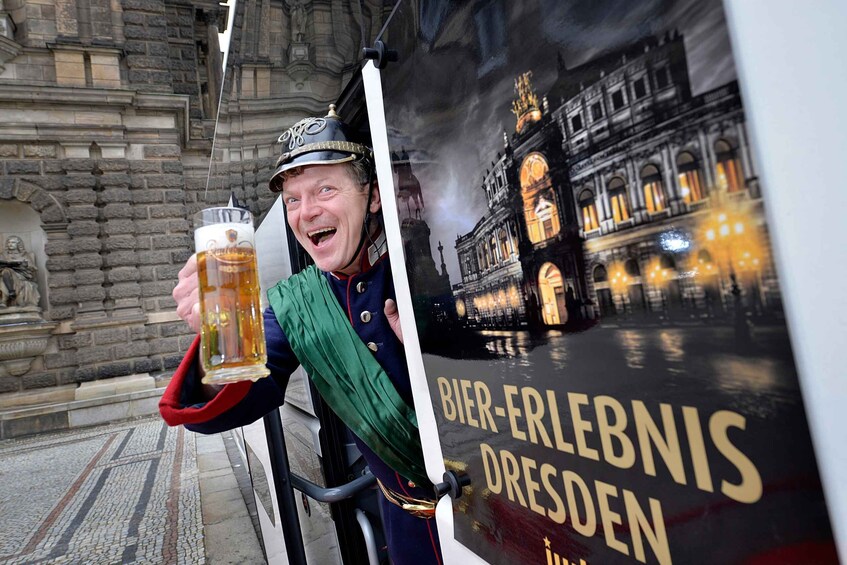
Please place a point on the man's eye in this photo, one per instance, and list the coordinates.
(326, 189)
(291, 200)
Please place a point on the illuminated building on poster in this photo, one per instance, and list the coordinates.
(626, 196)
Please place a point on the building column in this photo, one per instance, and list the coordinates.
(670, 175)
(708, 161)
(748, 168)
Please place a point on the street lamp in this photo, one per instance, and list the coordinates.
(619, 282)
(729, 235)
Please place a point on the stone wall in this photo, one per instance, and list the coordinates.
(109, 110)
(106, 136)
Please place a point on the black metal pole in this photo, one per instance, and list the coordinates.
(284, 494)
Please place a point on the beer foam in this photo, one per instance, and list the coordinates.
(220, 236)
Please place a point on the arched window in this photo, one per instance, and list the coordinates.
(552, 289)
(667, 262)
(540, 208)
(727, 169)
(466, 263)
(505, 245)
(688, 177)
(545, 212)
(651, 184)
(618, 199)
(631, 267)
(495, 255)
(589, 211)
(600, 274)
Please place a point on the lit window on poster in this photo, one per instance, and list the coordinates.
(690, 187)
(654, 195)
(589, 211)
(727, 168)
(618, 200)
(540, 210)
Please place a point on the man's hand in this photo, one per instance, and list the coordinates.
(187, 294)
(393, 318)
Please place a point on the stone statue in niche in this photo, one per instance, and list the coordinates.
(298, 20)
(18, 285)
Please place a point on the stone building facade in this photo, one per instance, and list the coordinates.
(619, 195)
(288, 59)
(108, 115)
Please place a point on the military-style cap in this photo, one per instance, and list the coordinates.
(317, 141)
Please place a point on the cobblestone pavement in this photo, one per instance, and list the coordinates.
(120, 493)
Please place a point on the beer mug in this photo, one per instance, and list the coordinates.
(232, 334)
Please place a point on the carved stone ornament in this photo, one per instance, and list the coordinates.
(18, 283)
(294, 135)
(20, 344)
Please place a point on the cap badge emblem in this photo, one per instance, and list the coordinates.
(294, 135)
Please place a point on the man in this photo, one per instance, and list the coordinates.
(340, 323)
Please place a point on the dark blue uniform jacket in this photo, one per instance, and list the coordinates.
(362, 296)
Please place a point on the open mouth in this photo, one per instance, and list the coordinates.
(322, 235)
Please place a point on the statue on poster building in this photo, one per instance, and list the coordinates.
(18, 285)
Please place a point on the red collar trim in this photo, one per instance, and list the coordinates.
(368, 255)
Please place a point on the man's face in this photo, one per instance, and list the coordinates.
(12, 244)
(325, 206)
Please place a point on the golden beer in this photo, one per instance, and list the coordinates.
(232, 333)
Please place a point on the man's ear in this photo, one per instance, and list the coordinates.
(376, 201)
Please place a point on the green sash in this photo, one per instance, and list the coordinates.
(345, 372)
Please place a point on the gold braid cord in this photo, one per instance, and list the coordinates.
(415, 506)
(343, 146)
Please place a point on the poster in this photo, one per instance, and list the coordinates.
(595, 292)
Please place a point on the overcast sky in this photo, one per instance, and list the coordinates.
(457, 117)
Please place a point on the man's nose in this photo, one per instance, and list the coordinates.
(309, 208)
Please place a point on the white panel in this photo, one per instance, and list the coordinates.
(792, 73)
(453, 551)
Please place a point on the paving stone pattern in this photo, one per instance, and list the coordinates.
(121, 493)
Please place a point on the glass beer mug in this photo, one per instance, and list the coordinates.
(232, 334)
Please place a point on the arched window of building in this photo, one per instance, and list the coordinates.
(540, 208)
(618, 199)
(690, 186)
(552, 295)
(631, 267)
(589, 210)
(545, 211)
(651, 184)
(600, 274)
(667, 262)
(728, 169)
(495, 254)
(505, 245)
